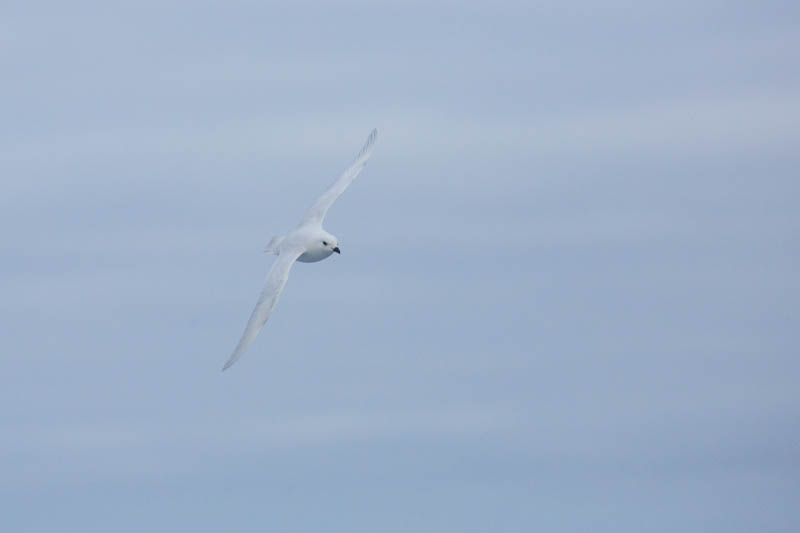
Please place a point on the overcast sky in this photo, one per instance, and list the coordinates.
(567, 298)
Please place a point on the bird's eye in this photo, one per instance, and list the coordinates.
(324, 243)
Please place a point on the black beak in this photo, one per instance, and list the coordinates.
(337, 250)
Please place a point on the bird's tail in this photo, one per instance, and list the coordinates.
(274, 244)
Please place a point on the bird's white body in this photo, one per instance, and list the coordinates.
(311, 239)
(307, 243)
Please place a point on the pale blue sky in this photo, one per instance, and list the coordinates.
(566, 300)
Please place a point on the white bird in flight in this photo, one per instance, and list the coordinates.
(308, 243)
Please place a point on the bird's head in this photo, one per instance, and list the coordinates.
(329, 242)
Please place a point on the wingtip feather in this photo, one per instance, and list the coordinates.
(235, 356)
(368, 145)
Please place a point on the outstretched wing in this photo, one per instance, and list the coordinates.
(317, 213)
(273, 287)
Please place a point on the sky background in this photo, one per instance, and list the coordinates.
(566, 300)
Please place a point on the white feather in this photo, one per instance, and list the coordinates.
(273, 287)
(316, 214)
